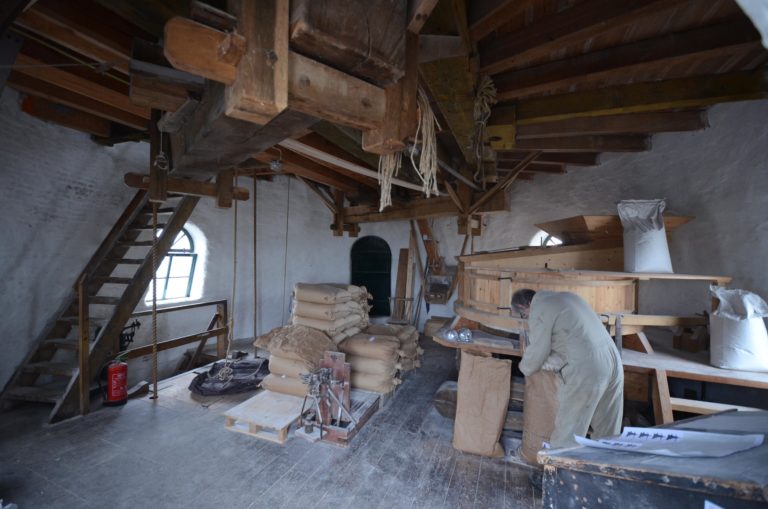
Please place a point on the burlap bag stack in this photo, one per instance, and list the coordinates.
(408, 336)
(374, 361)
(341, 311)
(293, 349)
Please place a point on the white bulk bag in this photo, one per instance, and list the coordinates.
(738, 338)
(645, 239)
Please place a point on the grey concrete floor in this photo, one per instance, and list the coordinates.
(175, 452)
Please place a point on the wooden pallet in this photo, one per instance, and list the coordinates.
(268, 416)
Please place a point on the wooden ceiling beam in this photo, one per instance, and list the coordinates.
(300, 166)
(418, 13)
(551, 158)
(630, 123)
(536, 167)
(612, 64)
(66, 116)
(318, 142)
(617, 143)
(420, 208)
(485, 16)
(9, 12)
(684, 93)
(580, 22)
(56, 94)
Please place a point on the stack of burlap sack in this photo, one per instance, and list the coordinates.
(293, 349)
(380, 354)
(341, 311)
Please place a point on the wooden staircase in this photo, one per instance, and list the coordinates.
(84, 335)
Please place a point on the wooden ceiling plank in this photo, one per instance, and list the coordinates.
(631, 123)
(66, 116)
(300, 166)
(51, 92)
(10, 11)
(684, 93)
(617, 143)
(568, 158)
(580, 22)
(679, 48)
(485, 16)
(61, 78)
(535, 167)
(418, 13)
(420, 208)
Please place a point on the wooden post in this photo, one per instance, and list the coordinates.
(221, 339)
(158, 178)
(84, 348)
(338, 218)
(662, 406)
(225, 182)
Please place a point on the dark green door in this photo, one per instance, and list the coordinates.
(371, 268)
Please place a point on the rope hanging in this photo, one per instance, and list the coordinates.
(226, 371)
(154, 301)
(255, 264)
(426, 135)
(485, 97)
(389, 166)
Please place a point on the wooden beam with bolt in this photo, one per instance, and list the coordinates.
(185, 186)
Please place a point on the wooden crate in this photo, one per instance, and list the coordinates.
(268, 416)
(364, 405)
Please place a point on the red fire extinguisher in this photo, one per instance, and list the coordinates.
(117, 383)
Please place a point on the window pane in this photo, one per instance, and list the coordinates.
(160, 286)
(181, 266)
(181, 243)
(162, 270)
(177, 287)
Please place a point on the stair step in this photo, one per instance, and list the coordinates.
(51, 368)
(113, 280)
(48, 393)
(94, 320)
(100, 299)
(127, 261)
(63, 343)
(135, 243)
(161, 210)
(144, 228)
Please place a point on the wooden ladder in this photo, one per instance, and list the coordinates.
(76, 344)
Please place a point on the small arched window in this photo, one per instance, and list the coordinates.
(175, 274)
(543, 238)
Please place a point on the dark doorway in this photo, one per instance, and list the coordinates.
(371, 268)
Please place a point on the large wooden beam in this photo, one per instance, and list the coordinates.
(184, 186)
(485, 16)
(317, 142)
(632, 123)
(56, 94)
(616, 143)
(418, 13)
(568, 158)
(682, 93)
(300, 166)
(609, 65)
(416, 209)
(580, 22)
(66, 116)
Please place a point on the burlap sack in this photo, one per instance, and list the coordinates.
(332, 327)
(326, 311)
(375, 347)
(321, 293)
(373, 366)
(297, 342)
(410, 364)
(374, 383)
(346, 333)
(410, 350)
(288, 367)
(383, 329)
(539, 409)
(285, 385)
(407, 332)
(481, 405)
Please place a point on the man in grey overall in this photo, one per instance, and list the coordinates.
(592, 378)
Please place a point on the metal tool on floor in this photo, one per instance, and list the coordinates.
(324, 400)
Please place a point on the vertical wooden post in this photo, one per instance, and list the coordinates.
(662, 406)
(84, 350)
(225, 182)
(338, 221)
(221, 339)
(158, 178)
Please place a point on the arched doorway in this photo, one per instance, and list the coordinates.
(371, 261)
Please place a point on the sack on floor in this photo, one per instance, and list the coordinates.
(373, 366)
(383, 329)
(288, 367)
(332, 327)
(539, 410)
(285, 385)
(738, 338)
(645, 238)
(374, 383)
(326, 311)
(409, 364)
(321, 293)
(375, 347)
(346, 333)
(481, 406)
(247, 375)
(297, 342)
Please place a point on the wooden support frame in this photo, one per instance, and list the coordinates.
(662, 406)
(185, 187)
(500, 186)
(418, 13)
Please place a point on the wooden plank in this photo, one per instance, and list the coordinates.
(348, 140)
(418, 208)
(306, 168)
(503, 184)
(321, 91)
(268, 416)
(608, 65)
(692, 406)
(486, 16)
(184, 186)
(681, 93)
(362, 38)
(141, 351)
(9, 11)
(260, 90)
(66, 116)
(225, 182)
(507, 166)
(632, 123)
(555, 158)
(662, 407)
(320, 194)
(418, 13)
(637, 342)
(579, 22)
(614, 143)
(59, 95)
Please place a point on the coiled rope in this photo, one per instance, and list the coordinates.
(485, 97)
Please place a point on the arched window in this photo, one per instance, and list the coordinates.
(176, 272)
(543, 238)
(371, 267)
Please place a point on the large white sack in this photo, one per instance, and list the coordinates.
(738, 338)
(645, 239)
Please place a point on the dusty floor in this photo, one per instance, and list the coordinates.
(175, 452)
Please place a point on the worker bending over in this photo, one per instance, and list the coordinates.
(592, 378)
